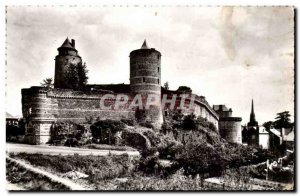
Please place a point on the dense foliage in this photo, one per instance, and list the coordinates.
(282, 120)
(69, 134)
(106, 131)
(47, 83)
(29, 180)
(13, 130)
(97, 167)
(76, 76)
(184, 89)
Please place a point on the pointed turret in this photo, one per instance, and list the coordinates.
(145, 45)
(67, 54)
(252, 121)
(68, 45)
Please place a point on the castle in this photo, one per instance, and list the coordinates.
(42, 107)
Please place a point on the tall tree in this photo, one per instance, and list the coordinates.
(268, 125)
(76, 76)
(82, 75)
(283, 120)
(71, 76)
(48, 83)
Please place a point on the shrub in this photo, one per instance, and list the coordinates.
(189, 122)
(60, 132)
(149, 161)
(71, 142)
(168, 148)
(200, 157)
(129, 122)
(151, 135)
(147, 124)
(135, 139)
(166, 127)
(184, 89)
(212, 127)
(104, 131)
(203, 122)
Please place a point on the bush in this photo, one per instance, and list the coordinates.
(129, 122)
(13, 131)
(202, 158)
(151, 135)
(189, 122)
(169, 148)
(212, 127)
(71, 142)
(147, 124)
(135, 139)
(29, 180)
(61, 132)
(104, 131)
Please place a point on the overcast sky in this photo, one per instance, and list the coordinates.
(229, 55)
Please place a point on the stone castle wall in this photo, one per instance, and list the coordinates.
(43, 107)
(200, 108)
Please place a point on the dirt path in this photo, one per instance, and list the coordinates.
(66, 182)
(62, 150)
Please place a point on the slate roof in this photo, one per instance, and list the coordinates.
(145, 45)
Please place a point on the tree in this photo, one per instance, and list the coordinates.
(48, 83)
(283, 120)
(166, 85)
(268, 125)
(71, 76)
(76, 76)
(184, 89)
(82, 75)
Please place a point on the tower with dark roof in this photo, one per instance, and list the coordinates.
(250, 132)
(252, 121)
(67, 54)
(145, 79)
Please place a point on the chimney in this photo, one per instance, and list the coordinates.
(73, 43)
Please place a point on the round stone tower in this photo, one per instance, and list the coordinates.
(145, 80)
(67, 54)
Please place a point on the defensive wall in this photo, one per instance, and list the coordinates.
(42, 107)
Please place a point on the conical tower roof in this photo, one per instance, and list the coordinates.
(145, 45)
(252, 121)
(67, 44)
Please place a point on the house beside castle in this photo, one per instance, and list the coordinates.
(43, 107)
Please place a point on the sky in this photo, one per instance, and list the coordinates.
(230, 55)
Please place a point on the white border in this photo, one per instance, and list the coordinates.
(3, 3)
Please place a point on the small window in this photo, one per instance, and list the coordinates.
(158, 69)
(143, 79)
(157, 81)
(158, 56)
